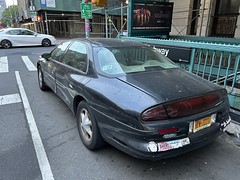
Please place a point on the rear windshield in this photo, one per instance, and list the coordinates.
(125, 60)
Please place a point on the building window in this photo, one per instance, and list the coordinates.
(228, 7)
(225, 19)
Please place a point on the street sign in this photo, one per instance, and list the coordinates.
(86, 11)
(33, 15)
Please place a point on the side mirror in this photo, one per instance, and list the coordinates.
(35, 34)
(46, 55)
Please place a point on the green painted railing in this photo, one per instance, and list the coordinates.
(218, 40)
(216, 62)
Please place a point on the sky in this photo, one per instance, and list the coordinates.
(10, 2)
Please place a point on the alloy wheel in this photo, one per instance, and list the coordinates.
(46, 43)
(40, 77)
(86, 124)
(6, 44)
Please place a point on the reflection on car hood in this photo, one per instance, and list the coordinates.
(168, 85)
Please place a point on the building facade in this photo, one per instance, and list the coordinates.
(63, 18)
(2, 7)
(215, 18)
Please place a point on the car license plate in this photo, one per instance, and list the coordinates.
(168, 145)
(201, 124)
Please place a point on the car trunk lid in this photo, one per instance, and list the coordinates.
(168, 85)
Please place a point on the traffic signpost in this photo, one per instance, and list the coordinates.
(86, 13)
(33, 15)
(86, 10)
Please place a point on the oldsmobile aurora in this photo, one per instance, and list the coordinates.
(129, 95)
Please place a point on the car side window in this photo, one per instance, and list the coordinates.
(58, 52)
(26, 32)
(76, 56)
(14, 32)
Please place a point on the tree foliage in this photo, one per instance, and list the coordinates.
(9, 16)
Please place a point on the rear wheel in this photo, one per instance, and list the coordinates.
(46, 42)
(6, 44)
(41, 81)
(87, 127)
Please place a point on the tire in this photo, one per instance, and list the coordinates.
(87, 127)
(46, 42)
(6, 44)
(41, 81)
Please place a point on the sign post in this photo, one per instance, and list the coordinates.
(33, 15)
(86, 13)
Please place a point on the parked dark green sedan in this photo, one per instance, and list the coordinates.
(129, 95)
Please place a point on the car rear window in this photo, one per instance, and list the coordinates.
(125, 60)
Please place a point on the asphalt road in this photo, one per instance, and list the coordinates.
(63, 150)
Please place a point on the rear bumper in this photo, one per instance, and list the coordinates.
(139, 148)
(137, 142)
(147, 143)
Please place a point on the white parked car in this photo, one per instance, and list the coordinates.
(12, 37)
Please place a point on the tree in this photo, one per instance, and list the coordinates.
(9, 16)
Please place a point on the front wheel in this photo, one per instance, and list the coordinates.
(46, 42)
(41, 81)
(87, 127)
(6, 44)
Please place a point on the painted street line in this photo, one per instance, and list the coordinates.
(9, 99)
(29, 63)
(37, 141)
(3, 65)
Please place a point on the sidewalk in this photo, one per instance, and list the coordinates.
(233, 129)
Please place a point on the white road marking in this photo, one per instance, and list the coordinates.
(3, 65)
(9, 99)
(29, 63)
(37, 141)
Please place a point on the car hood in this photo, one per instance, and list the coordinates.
(170, 84)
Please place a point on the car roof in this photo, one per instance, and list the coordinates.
(110, 42)
(7, 29)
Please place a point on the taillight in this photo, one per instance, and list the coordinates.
(184, 107)
(193, 105)
(154, 114)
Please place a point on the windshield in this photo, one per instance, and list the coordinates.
(124, 60)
